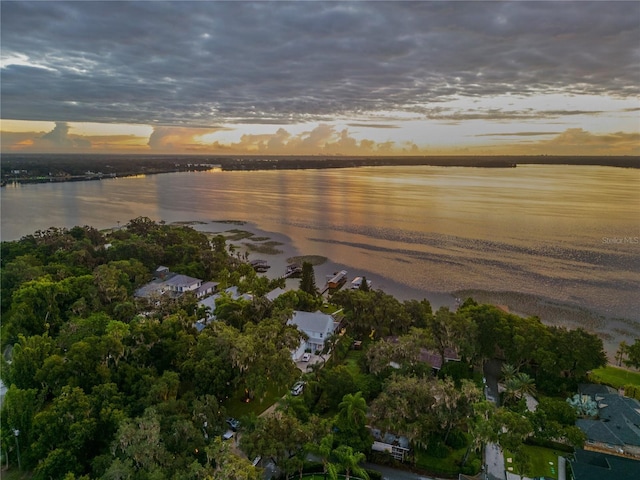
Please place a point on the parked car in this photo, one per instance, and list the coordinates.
(297, 388)
(227, 435)
(306, 357)
(233, 423)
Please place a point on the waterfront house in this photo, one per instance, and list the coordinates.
(317, 327)
(617, 428)
(174, 284)
(183, 283)
(207, 288)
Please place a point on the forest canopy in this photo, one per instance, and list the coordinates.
(103, 383)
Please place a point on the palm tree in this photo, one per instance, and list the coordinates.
(353, 409)
(323, 450)
(508, 371)
(519, 386)
(351, 460)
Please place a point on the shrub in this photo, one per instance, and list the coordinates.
(473, 467)
(632, 391)
(373, 475)
(456, 440)
(437, 449)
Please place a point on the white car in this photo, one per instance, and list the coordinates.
(297, 388)
(306, 357)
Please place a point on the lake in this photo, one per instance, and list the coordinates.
(568, 233)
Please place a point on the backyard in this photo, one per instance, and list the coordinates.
(238, 409)
(615, 377)
(543, 462)
(449, 465)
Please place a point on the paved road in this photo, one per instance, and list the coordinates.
(493, 457)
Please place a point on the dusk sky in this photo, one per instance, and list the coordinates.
(327, 78)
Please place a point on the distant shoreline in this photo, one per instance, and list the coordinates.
(42, 168)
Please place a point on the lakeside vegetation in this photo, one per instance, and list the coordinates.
(314, 260)
(144, 395)
(34, 168)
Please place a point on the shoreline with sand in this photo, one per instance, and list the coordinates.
(277, 249)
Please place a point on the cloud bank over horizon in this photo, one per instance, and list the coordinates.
(399, 74)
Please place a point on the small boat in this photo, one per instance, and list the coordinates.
(337, 279)
(356, 283)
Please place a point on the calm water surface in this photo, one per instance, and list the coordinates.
(564, 232)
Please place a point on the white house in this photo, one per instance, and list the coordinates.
(183, 283)
(206, 288)
(317, 326)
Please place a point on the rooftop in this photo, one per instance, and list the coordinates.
(588, 465)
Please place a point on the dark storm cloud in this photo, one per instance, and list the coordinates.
(202, 63)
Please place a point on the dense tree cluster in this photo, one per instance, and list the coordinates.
(108, 385)
(103, 384)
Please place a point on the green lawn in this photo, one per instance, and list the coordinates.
(352, 362)
(238, 409)
(444, 466)
(543, 461)
(615, 377)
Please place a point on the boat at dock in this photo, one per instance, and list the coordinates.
(337, 280)
(293, 270)
(356, 283)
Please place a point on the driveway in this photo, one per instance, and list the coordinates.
(493, 457)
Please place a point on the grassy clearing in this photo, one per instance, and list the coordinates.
(352, 362)
(312, 259)
(614, 376)
(543, 462)
(443, 466)
(237, 408)
(328, 308)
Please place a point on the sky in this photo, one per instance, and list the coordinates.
(321, 78)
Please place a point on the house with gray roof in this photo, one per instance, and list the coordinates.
(588, 465)
(275, 293)
(617, 429)
(395, 445)
(183, 283)
(209, 303)
(317, 326)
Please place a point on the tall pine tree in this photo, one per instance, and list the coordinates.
(308, 280)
